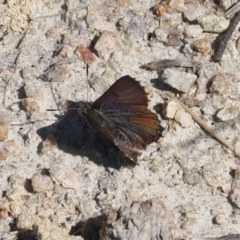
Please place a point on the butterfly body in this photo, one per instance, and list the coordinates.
(121, 114)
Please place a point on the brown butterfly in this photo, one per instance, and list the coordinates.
(121, 114)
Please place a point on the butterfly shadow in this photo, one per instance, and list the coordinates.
(88, 229)
(74, 135)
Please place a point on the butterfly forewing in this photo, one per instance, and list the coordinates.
(125, 95)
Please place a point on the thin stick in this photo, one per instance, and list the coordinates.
(202, 123)
(87, 68)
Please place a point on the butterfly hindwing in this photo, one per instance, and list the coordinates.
(124, 144)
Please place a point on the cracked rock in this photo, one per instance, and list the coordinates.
(141, 220)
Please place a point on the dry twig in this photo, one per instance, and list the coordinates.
(166, 63)
(223, 38)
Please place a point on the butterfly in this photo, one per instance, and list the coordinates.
(122, 115)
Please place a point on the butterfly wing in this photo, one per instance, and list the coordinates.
(129, 123)
(124, 144)
(125, 95)
(140, 128)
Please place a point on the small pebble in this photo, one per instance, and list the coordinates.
(45, 213)
(226, 188)
(193, 11)
(181, 81)
(237, 173)
(24, 221)
(170, 109)
(74, 42)
(54, 33)
(99, 84)
(183, 118)
(238, 46)
(213, 23)
(191, 177)
(136, 28)
(87, 207)
(34, 89)
(17, 181)
(66, 52)
(161, 35)
(235, 194)
(208, 108)
(4, 214)
(173, 40)
(48, 144)
(84, 54)
(9, 38)
(178, 5)
(228, 114)
(220, 83)
(5, 117)
(29, 73)
(30, 105)
(58, 189)
(202, 45)
(8, 148)
(193, 30)
(41, 183)
(218, 101)
(124, 3)
(188, 223)
(220, 219)
(159, 9)
(3, 132)
(106, 44)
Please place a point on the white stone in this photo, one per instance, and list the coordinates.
(177, 4)
(182, 81)
(161, 35)
(193, 30)
(208, 108)
(106, 44)
(220, 83)
(41, 183)
(183, 118)
(24, 221)
(193, 11)
(218, 101)
(171, 109)
(237, 147)
(8, 148)
(228, 114)
(213, 23)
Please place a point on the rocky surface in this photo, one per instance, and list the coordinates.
(60, 179)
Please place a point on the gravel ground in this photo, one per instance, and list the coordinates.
(60, 179)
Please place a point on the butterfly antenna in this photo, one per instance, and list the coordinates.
(54, 109)
(62, 109)
(87, 81)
